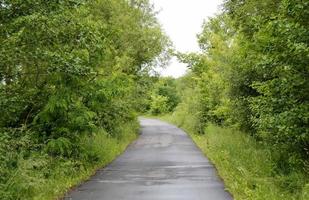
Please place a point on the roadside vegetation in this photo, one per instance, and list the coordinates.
(246, 166)
(69, 76)
(75, 74)
(245, 98)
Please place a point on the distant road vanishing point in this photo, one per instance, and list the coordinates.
(163, 164)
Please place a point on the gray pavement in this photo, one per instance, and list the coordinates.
(162, 164)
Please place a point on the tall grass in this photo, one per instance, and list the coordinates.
(247, 166)
(43, 177)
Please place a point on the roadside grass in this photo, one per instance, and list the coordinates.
(43, 177)
(245, 165)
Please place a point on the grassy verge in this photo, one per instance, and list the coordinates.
(247, 166)
(43, 177)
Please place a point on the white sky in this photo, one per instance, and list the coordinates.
(182, 20)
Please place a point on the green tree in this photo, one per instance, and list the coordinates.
(164, 91)
(252, 73)
(69, 69)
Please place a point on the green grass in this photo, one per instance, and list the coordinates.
(43, 177)
(245, 165)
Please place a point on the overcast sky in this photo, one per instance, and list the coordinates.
(182, 21)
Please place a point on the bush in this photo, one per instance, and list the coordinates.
(159, 104)
(164, 96)
(247, 166)
(37, 175)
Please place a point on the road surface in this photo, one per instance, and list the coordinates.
(163, 164)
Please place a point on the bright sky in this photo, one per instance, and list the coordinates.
(182, 20)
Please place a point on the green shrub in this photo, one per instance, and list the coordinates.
(38, 175)
(59, 147)
(159, 104)
(164, 96)
(247, 167)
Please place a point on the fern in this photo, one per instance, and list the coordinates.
(59, 147)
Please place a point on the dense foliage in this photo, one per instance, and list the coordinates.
(68, 70)
(252, 74)
(73, 73)
(164, 97)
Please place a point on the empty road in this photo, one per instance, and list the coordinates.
(163, 164)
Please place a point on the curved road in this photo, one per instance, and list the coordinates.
(163, 164)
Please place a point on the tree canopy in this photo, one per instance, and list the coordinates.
(69, 69)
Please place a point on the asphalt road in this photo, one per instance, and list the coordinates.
(163, 164)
